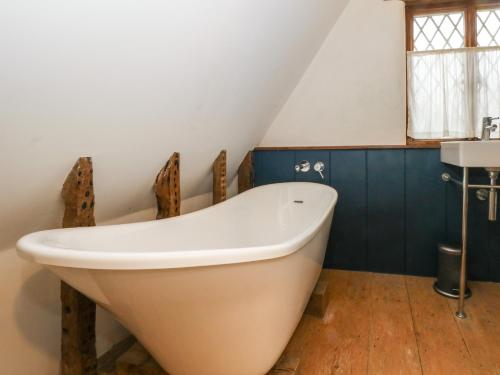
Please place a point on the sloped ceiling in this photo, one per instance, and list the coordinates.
(130, 82)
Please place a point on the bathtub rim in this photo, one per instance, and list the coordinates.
(30, 248)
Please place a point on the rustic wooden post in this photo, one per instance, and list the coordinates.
(219, 173)
(167, 189)
(245, 173)
(78, 352)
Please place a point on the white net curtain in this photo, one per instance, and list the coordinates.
(449, 91)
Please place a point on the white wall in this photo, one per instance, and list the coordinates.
(354, 91)
(128, 82)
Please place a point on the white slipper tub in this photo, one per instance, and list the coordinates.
(216, 292)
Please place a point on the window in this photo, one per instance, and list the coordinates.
(488, 28)
(453, 68)
(438, 31)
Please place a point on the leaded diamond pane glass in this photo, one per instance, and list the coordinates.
(438, 31)
(488, 28)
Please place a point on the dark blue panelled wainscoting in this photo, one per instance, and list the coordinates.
(393, 209)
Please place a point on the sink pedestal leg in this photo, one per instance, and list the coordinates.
(463, 267)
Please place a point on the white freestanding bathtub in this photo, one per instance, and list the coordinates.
(216, 292)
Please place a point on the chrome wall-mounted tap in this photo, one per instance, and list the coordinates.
(304, 167)
(319, 167)
(488, 128)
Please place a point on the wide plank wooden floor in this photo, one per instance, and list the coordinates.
(393, 324)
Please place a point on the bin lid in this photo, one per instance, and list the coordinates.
(450, 248)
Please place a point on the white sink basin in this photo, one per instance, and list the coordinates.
(473, 154)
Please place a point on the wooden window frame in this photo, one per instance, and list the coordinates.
(428, 7)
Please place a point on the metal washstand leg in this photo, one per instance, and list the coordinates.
(463, 267)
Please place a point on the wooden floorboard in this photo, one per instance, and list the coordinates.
(391, 324)
(481, 331)
(393, 345)
(334, 345)
(441, 346)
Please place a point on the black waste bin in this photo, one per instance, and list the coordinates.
(448, 274)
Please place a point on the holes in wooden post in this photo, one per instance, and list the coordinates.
(78, 195)
(220, 175)
(167, 188)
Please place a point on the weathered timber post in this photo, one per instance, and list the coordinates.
(245, 173)
(167, 189)
(219, 170)
(78, 352)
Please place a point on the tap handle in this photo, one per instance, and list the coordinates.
(320, 167)
(303, 167)
(488, 123)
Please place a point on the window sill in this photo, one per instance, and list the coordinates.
(434, 143)
(356, 147)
